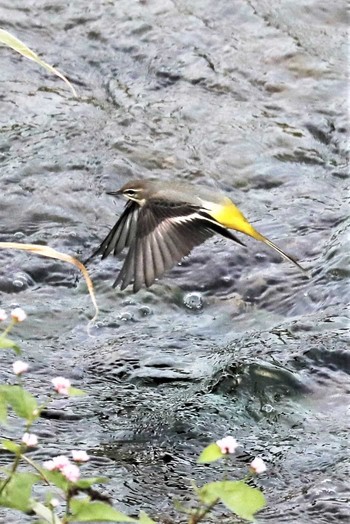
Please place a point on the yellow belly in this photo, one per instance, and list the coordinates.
(228, 215)
(231, 217)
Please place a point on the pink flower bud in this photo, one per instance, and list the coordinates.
(258, 466)
(61, 461)
(30, 439)
(19, 367)
(71, 472)
(3, 315)
(18, 315)
(57, 463)
(227, 445)
(49, 465)
(80, 455)
(61, 385)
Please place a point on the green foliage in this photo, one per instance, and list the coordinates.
(237, 496)
(75, 392)
(88, 483)
(210, 454)
(7, 343)
(17, 492)
(84, 510)
(3, 410)
(145, 519)
(9, 445)
(22, 402)
(57, 479)
(45, 513)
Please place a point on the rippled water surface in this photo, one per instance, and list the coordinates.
(249, 97)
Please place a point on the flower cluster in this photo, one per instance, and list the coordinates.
(19, 367)
(257, 466)
(65, 466)
(17, 315)
(228, 445)
(30, 440)
(61, 385)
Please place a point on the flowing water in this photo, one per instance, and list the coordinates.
(249, 97)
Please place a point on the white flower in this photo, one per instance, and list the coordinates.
(227, 445)
(57, 463)
(258, 466)
(19, 367)
(71, 472)
(3, 315)
(49, 465)
(61, 461)
(80, 455)
(30, 439)
(61, 385)
(18, 315)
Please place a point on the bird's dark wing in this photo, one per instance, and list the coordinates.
(164, 235)
(122, 234)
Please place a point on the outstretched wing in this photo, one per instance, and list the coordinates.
(165, 233)
(122, 234)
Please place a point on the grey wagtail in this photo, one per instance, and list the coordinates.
(163, 221)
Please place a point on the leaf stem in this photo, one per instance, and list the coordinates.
(12, 472)
(34, 466)
(8, 329)
(197, 517)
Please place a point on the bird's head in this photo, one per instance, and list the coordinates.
(136, 190)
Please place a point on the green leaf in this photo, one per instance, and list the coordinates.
(145, 519)
(75, 392)
(181, 508)
(11, 446)
(22, 402)
(83, 510)
(45, 513)
(238, 497)
(16, 44)
(87, 483)
(3, 410)
(7, 343)
(210, 454)
(56, 478)
(17, 492)
(208, 493)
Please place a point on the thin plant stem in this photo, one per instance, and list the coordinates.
(8, 329)
(34, 466)
(194, 519)
(12, 472)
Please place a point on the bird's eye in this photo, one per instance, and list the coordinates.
(130, 192)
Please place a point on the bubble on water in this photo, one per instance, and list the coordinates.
(126, 316)
(18, 283)
(267, 408)
(145, 311)
(19, 235)
(193, 301)
(22, 280)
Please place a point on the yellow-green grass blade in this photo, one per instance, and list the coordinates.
(16, 44)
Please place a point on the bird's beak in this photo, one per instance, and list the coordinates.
(114, 193)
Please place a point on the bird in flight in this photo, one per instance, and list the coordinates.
(163, 221)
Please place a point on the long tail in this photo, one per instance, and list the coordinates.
(268, 242)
